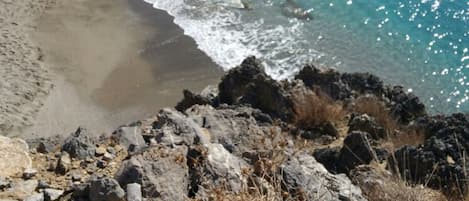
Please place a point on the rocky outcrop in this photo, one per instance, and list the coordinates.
(307, 178)
(14, 156)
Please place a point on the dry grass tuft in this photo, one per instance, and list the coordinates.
(379, 185)
(314, 108)
(372, 106)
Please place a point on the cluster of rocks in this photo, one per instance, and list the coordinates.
(238, 136)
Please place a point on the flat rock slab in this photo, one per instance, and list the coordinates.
(14, 156)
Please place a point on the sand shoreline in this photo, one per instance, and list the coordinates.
(111, 62)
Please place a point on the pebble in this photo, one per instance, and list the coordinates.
(134, 192)
(64, 164)
(101, 164)
(29, 173)
(53, 194)
(100, 151)
(108, 157)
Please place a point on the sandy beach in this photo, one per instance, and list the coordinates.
(111, 62)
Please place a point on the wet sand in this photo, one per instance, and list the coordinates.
(115, 62)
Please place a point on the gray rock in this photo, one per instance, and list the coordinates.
(225, 168)
(367, 124)
(35, 197)
(239, 129)
(14, 156)
(129, 136)
(302, 173)
(45, 147)
(52, 194)
(108, 157)
(4, 183)
(174, 128)
(105, 189)
(29, 173)
(134, 192)
(162, 172)
(80, 144)
(64, 163)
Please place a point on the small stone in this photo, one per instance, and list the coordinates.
(76, 176)
(101, 164)
(134, 192)
(64, 164)
(44, 147)
(106, 189)
(35, 197)
(42, 184)
(108, 157)
(100, 151)
(111, 150)
(29, 173)
(53, 194)
(4, 183)
(89, 160)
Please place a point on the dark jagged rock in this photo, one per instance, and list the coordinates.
(129, 137)
(357, 150)
(441, 161)
(301, 173)
(405, 107)
(329, 157)
(328, 81)
(191, 99)
(105, 189)
(249, 84)
(364, 83)
(367, 124)
(79, 144)
(162, 172)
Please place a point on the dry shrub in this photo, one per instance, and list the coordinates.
(379, 185)
(372, 106)
(314, 108)
(408, 136)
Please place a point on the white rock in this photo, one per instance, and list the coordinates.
(14, 156)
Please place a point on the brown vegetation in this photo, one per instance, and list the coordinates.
(314, 108)
(372, 106)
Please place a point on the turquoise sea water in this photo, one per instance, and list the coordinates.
(421, 44)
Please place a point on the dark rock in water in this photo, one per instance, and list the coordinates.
(329, 157)
(129, 136)
(249, 84)
(357, 150)
(305, 177)
(191, 99)
(367, 124)
(405, 107)
(105, 189)
(162, 172)
(79, 144)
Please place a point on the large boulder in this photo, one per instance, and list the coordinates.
(14, 156)
(238, 129)
(105, 189)
(80, 144)
(161, 171)
(305, 177)
(129, 136)
(249, 84)
(357, 150)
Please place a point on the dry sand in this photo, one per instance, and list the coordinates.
(23, 79)
(114, 62)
